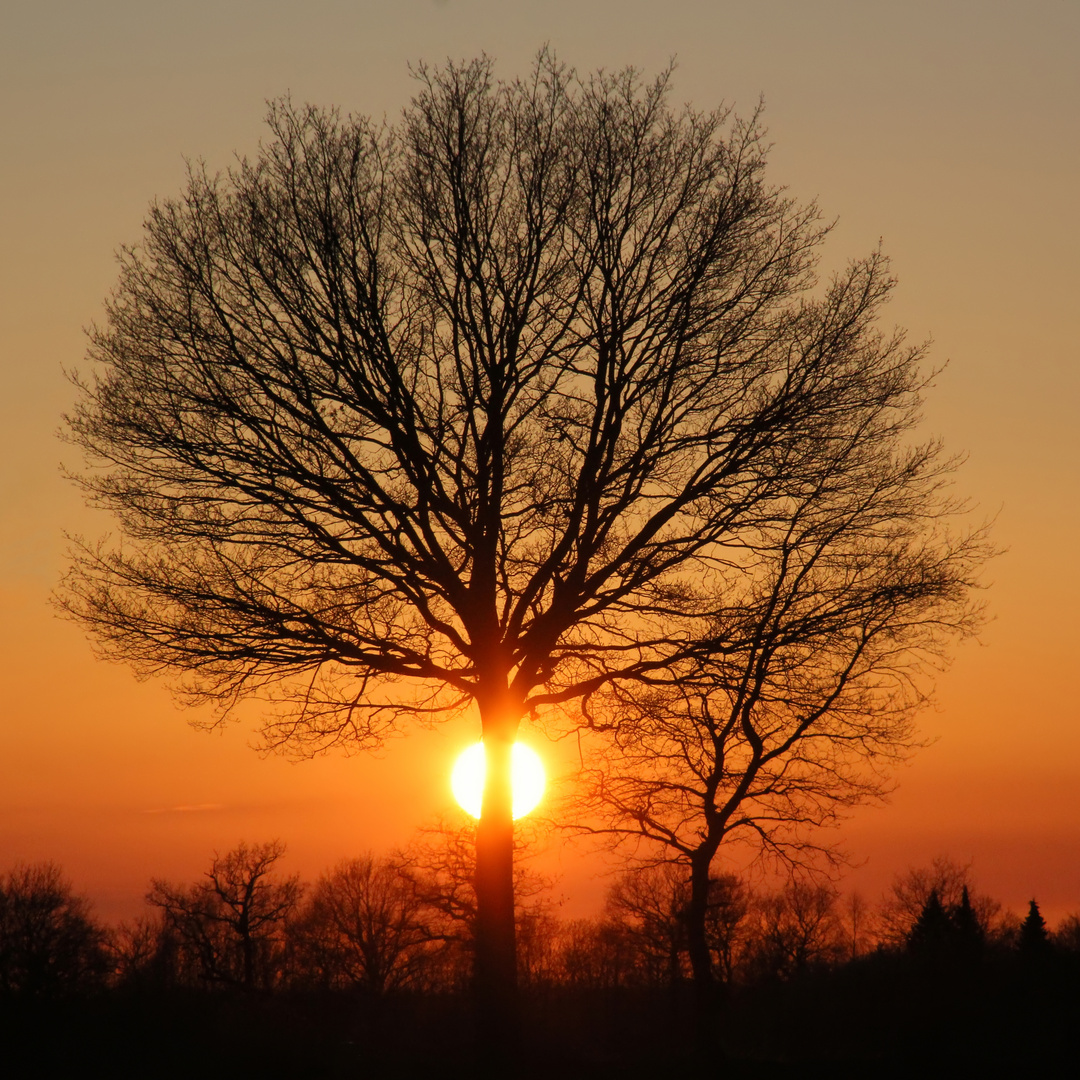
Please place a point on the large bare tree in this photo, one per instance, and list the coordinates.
(474, 408)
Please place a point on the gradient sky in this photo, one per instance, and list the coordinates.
(948, 129)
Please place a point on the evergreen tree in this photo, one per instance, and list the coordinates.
(1034, 940)
(969, 931)
(934, 931)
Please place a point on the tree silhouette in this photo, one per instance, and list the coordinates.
(1067, 935)
(727, 923)
(911, 891)
(1033, 939)
(857, 919)
(645, 924)
(231, 925)
(50, 945)
(797, 928)
(147, 954)
(649, 904)
(482, 408)
(438, 866)
(970, 931)
(598, 953)
(832, 620)
(364, 926)
(934, 932)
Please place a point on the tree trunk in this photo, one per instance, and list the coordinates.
(697, 943)
(707, 991)
(247, 950)
(496, 951)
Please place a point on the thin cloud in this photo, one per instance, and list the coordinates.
(192, 809)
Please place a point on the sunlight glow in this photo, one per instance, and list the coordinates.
(527, 779)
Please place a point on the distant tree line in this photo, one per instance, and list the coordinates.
(405, 923)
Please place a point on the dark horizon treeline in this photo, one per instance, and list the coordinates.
(378, 947)
(404, 922)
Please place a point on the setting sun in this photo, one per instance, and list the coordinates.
(467, 779)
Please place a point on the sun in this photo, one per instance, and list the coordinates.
(527, 778)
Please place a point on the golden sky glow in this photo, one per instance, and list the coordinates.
(944, 128)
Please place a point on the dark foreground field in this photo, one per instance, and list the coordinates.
(881, 1016)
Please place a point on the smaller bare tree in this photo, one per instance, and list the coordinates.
(439, 866)
(832, 617)
(857, 919)
(50, 944)
(648, 902)
(797, 928)
(910, 892)
(364, 927)
(231, 925)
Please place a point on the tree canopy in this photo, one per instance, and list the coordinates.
(509, 383)
(504, 403)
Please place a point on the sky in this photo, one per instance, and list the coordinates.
(946, 130)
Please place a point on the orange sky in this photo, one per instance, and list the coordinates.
(948, 129)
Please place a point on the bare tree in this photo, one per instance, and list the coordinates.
(488, 404)
(831, 620)
(797, 928)
(231, 925)
(597, 953)
(50, 944)
(146, 953)
(1067, 935)
(910, 892)
(648, 903)
(645, 914)
(439, 867)
(364, 926)
(538, 936)
(858, 923)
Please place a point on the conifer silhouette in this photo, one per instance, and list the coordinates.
(970, 934)
(934, 931)
(1034, 940)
